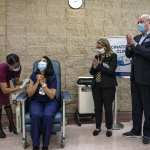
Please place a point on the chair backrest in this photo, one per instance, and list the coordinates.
(57, 70)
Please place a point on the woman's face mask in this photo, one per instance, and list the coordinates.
(16, 69)
(100, 51)
(42, 65)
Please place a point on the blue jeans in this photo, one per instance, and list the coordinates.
(42, 114)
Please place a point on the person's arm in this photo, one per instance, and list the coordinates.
(8, 90)
(142, 51)
(18, 82)
(131, 43)
(4, 83)
(50, 87)
(109, 69)
(33, 84)
(129, 52)
(51, 93)
(32, 87)
(93, 69)
(138, 49)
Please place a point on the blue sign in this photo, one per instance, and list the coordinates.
(118, 45)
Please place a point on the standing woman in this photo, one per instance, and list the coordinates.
(8, 71)
(43, 104)
(104, 84)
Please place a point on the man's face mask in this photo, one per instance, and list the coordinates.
(100, 51)
(42, 66)
(141, 27)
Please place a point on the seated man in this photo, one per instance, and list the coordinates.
(43, 104)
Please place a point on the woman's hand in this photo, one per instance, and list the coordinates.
(39, 78)
(95, 62)
(42, 80)
(43, 84)
(32, 87)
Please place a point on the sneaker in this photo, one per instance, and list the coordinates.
(131, 134)
(96, 132)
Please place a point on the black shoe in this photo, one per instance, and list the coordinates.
(13, 129)
(109, 133)
(146, 140)
(2, 133)
(44, 148)
(131, 134)
(36, 148)
(96, 132)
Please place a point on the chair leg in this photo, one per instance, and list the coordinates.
(18, 118)
(25, 143)
(64, 120)
(62, 144)
(63, 136)
(24, 138)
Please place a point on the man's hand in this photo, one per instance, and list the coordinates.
(130, 40)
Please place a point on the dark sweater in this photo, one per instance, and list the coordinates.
(108, 77)
(140, 64)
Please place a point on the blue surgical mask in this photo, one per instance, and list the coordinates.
(42, 66)
(141, 27)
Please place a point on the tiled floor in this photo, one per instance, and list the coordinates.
(80, 138)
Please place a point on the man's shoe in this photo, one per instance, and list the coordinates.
(109, 133)
(36, 148)
(96, 132)
(146, 140)
(131, 134)
(44, 148)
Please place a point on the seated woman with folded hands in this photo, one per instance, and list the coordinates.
(43, 105)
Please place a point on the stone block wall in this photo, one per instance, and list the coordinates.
(33, 28)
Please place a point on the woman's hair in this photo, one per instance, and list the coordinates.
(49, 72)
(12, 59)
(105, 43)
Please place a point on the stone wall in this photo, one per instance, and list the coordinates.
(33, 28)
